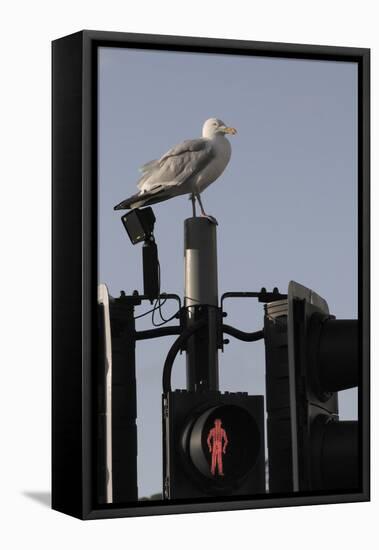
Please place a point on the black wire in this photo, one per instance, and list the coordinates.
(165, 320)
(158, 300)
(150, 310)
(158, 303)
(174, 350)
(242, 335)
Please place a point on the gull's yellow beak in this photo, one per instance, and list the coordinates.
(229, 130)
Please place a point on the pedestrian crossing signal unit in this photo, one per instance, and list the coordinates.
(310, 357)
(213, 444)
(323, 357)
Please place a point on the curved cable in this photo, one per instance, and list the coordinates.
(174, 350)
(241, 335)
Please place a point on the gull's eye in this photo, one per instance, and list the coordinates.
(215, 124)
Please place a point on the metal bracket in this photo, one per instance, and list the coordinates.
(262, 295)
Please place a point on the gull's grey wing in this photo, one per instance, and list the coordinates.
(176, 166)
(187, 146)
(146, 169)
(148, 166)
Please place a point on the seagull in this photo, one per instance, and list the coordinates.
(187, 168)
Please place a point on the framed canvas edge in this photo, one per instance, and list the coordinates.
(177, 508)
(67, 246)
(90, 41)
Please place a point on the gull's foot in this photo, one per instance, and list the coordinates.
(210, 218)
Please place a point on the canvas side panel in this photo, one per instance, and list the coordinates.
(67, 275)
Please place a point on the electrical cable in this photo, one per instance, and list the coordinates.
(150, 310)
(160, 304)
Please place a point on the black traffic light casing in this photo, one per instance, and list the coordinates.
(279, 439)
(322, 360)
(188, 418)
(123, 404)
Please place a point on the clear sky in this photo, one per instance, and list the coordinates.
(286, 204)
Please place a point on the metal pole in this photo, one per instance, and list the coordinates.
(201, 302)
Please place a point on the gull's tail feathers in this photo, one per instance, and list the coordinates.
(128, 203)
(143, 199)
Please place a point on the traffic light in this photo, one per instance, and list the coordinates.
(278, 397)
(116, 402)
(323, 359)
(213, 444)
(310, 356)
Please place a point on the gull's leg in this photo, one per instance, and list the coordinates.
(193, 199)
(203, 213)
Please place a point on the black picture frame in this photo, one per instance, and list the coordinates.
(74, 204)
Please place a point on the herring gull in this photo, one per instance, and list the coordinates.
(187, 168)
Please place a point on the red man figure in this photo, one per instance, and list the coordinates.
(216, 447)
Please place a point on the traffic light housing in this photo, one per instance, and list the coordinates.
(115, 400)
(310, 356)
(213, 444)
(323, 359)
(278, 409)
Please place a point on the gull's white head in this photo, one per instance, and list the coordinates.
(215, 126)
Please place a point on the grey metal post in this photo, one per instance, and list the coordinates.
(201, 301)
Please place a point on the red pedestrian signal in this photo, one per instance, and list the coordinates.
(217, 442)
(213, 444)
